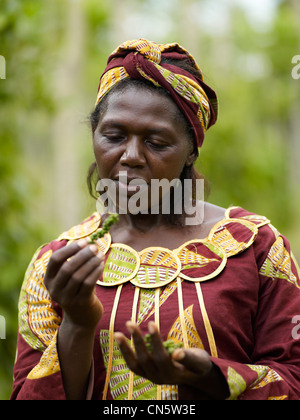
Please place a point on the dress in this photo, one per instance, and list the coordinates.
(235, 294)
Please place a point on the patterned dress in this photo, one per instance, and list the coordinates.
(235, 294)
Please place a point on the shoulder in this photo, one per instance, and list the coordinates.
(264, 233)
(269, 244)
(273, 252)
(240, 213)
(79, 231)
(83, 229)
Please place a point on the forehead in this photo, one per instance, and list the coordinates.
(141, 102)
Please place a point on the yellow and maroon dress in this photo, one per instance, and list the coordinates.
(235, 294)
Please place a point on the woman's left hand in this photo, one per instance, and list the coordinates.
(190, 368)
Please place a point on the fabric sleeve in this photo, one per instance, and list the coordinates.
(275, 370)
(37, 370)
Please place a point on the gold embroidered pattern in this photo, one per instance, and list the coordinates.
(158, 266)
(265, 377)
(278, 263)
(86, 228)
(42, 318)
(49, 363)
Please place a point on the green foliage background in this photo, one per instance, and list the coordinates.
(251, 157)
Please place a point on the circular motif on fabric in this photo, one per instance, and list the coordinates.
(104, 243)
(233, 236)
(121, 265)
(158, 267)
(201, 260)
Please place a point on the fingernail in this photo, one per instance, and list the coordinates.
(118, 338)
(152, 328)
(82, 243)
(94, 248)
(130, 327)
(178, 354)
(100, 255)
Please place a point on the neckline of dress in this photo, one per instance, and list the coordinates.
(226, 218)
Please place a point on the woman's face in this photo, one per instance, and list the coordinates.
(140, 135)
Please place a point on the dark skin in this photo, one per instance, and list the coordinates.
(140, 134)
(190, 369)
(70, 279)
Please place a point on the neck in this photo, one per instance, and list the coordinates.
(143, 222)
(148, 222)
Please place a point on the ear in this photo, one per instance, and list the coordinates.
(192, 157)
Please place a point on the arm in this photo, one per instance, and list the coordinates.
(71, 278)
(191, 369)
(274, 371)
(52, 346)
(275, 368)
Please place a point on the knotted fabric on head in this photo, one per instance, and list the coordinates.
(141, 59)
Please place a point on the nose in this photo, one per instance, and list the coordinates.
(133, 154)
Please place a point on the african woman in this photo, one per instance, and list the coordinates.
(225, 287)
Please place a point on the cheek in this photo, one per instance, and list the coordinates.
(104, 158)
(169, 169)
(177, 162)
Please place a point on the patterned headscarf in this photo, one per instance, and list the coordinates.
(141, 59)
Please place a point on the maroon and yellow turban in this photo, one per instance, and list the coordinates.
(141, 59)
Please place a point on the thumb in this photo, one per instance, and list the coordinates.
(195, 360)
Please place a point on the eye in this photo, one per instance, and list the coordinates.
(156, 144)
(114, 137)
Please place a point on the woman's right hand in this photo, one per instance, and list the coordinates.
(71, 278)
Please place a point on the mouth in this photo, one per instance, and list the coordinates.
(130, 185)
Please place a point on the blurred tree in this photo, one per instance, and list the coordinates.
(22, 93)
(67, 79)
(293, 6)
(247, 155)
(38, 141)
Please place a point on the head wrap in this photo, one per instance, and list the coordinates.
(141, 59)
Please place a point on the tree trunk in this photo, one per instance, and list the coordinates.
(294, 163)
(66, 195)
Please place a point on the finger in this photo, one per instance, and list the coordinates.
(159, 352)
(82, 281)
(81, 261)
(128, 354)
(156, 363)
(61, 255)
(90, 276)
(195, 360)
(143, 358)
(73, 272)
(78, 292)
(138, 339)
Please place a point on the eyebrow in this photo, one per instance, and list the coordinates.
(112, 123)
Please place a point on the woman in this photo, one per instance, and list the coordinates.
(225, 288)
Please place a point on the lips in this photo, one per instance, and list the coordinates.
(127, 187)
(130, 184)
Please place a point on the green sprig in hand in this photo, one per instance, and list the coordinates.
(112, 219)
(169, 345)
